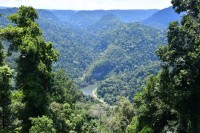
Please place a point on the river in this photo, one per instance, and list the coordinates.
(89, 89)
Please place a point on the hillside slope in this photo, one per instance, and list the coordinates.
(127, 58)
(162, 18)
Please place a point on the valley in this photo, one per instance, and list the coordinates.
(111, 48)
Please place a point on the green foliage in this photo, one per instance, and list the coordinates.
(180, 76)
(122, 117)
(63, 89)
(125, 83)
(34, 62)
(5, 92)
(61, 115)
(24, 16)
(146, 129)
(190, 6)
(133, 127)
(5, 114)
(170, 101)
(17, 108)
(150, 112)
(63, 111)
(69, 119)
(42, 125)
(5, 74)
(2, 56)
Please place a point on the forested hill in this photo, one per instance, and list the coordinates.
(162, 18)
(101, 47)
(127, 57)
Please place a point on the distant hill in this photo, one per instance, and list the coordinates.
(63, 15)
(129, 16)
(162, 18)
(2, 7)
(44, 15)
(84, 19)
(107, 22)
(5, 12)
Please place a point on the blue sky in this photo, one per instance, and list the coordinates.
(89, 4)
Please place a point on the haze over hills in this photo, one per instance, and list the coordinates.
(162, 18)
(112, 48)
(156, 18)
(2, 7)
(83, 18)
(86, 18)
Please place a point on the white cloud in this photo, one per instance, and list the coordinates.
(89, 4)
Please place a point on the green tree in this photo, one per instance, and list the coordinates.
(34, 63)
(64, 89)
(123, 114)
(5, 75)
(180, 76)
(64, 95)
(173, 96)
(42, 125)
(5, 92)
(151, 114)
(17, 108)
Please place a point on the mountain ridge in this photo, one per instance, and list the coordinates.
(162, 18)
